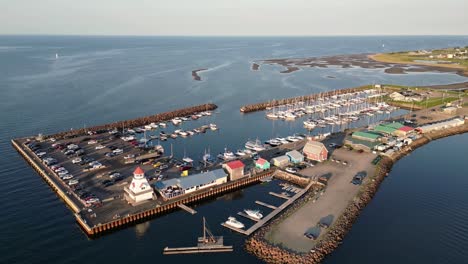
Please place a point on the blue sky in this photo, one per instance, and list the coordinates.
(235, 17)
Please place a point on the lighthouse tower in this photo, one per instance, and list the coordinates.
(139, 189)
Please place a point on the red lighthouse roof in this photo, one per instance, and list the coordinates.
(138, 170)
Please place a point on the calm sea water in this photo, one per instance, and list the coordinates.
(418, 214)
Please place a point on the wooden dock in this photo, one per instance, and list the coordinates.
(266, 205)
(186, 208)
(276, 211)
(192, 250)
(280, 195)
(248, 216)
(238, 230)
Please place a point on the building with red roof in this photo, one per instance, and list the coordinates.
(235, 169)
(262, 164)
(403, 131)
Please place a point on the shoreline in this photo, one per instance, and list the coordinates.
(262, 249)
(365, 61)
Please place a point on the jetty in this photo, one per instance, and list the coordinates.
(206, 244)
(272, 214)
(186, 208)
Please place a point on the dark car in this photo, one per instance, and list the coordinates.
(111, 147)
(358, 178)
(309, 236)
(107, 183)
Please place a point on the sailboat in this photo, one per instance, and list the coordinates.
(207, 243)
(56, 56)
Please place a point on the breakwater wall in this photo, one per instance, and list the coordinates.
(257, 244)
(138, 121)
(173, 205)
(295, 179)
(263, 105)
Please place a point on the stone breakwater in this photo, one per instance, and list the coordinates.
(294, 179)
(139, 121)
(264, 105)
(257, 244)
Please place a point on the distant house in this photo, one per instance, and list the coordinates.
(235, 169)
(295, 156)
(397, 96)
(280, 161)
(314, 150)
(262, 164)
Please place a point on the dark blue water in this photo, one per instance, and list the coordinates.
(102, 79)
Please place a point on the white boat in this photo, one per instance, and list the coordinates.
(290, 116)
(254, 213)
(234, 223)
(190, 132)
(183, 133)
(176, 121)
(240, 153)
(162, 124)
(153, 125)
(188, 160)
(227, 155)
(292, 139)
(274, 142)
(177, 131)
(272, 116)
(213, 127)
(310, 124)
(148, 127)
(254, 145)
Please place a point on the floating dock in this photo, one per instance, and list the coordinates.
(276, 211)
(266, 205)
(280, 195)
(186, 208)
(192, 250)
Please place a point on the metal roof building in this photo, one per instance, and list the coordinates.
(384, 129)
(295, 156)
(367, 136)
(315, 150)
(197, 180)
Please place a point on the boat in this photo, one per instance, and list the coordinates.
(254, 213)
(208, 243)
(153, 125)
(148, 127)
(176, 121)
(183, 133)
(272, 115)
(213, 127)
(292, 139)
(187, 159)
(274, 142)
(240, 153)
(234, 223)
(254, 145)
(162, 124)
(154, 137)
(190, 132)
(173, 135)
(227, 155)
(310, 124)
(197, 130)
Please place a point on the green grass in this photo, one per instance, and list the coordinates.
(431, 102)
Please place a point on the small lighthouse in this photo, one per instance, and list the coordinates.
(139, 189)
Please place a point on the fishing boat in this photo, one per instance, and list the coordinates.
(234, 223)
(240, 153)
(254, 145)
(254, 213)
(227, 155)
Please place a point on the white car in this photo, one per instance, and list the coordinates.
(73, 182)
(40, 154)
(114, 175)
(100, 147)
(118, 151)
(76, 160)
(59, 169)
(67, 177)
(92, 142)
(129, 156)
(291, 170)
(62, 173)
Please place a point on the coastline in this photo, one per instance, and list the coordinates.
(258, 246)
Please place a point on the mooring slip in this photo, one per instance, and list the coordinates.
(247, 216)
(280, 195)
(192, 250)
(267, 218)
(266, 205)
(186, 208)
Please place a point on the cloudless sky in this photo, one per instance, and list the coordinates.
(234, 17)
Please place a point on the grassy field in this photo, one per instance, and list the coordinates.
(406, 58)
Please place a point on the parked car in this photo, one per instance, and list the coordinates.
(291, 170)
(76, 160)
(114, 175)
(73, 182)
(358, 178)
(67, 177)
(99, 147)
(309, 236)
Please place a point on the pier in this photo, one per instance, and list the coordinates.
(280, 195)
(186, 208)
(266, 205)
(276, 211)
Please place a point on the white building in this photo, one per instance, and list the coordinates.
(441, 125)
(139, 189)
